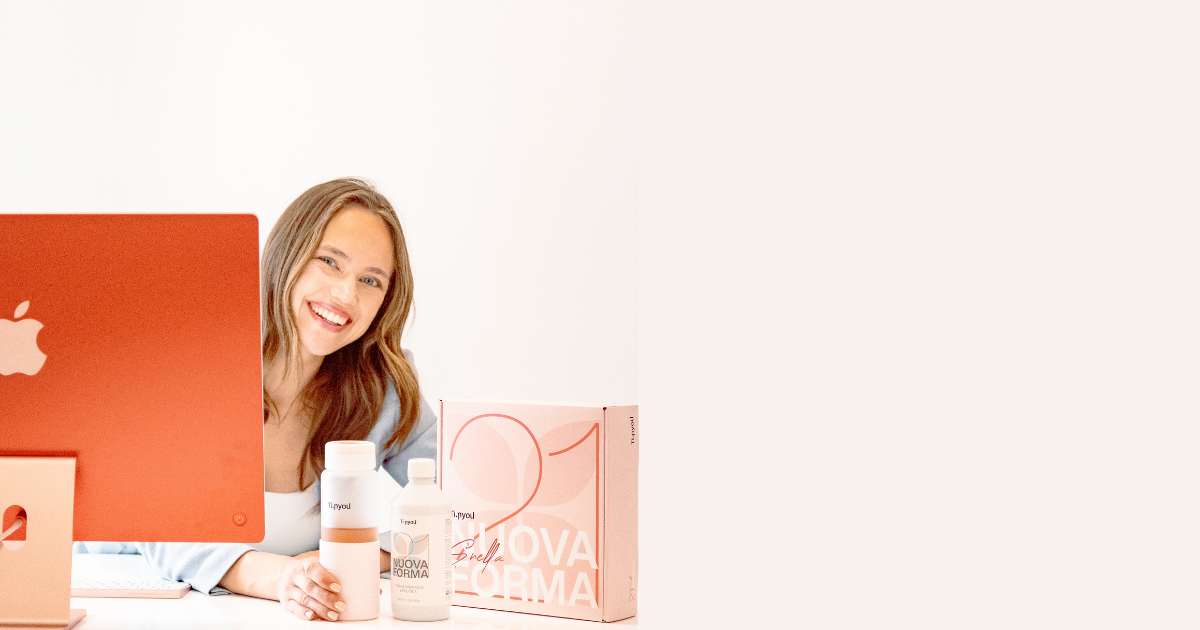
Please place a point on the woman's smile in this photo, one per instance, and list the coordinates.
(333, 318)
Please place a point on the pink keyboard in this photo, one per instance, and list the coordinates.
(145, 589)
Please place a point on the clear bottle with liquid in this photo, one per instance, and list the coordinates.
(421, 579)
(350, 525)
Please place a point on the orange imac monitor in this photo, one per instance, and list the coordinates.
(130, 391)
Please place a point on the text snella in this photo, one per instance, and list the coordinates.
(485, 552)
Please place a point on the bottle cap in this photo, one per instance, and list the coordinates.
(350, 455)
(421, 467)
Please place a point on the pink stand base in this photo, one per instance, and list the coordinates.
(36, 576)
(77, 615)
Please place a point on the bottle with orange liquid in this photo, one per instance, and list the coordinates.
(349, 525)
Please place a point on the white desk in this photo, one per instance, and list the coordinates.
(232, 612)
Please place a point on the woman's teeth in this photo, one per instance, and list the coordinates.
(327, 315)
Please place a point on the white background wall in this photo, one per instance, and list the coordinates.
(916, 282)
(505, 135)
(925, 332)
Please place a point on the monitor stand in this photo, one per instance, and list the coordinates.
(35, 576)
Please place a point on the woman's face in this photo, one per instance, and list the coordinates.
(342, 287)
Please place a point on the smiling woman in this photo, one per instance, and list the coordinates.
(336, 292)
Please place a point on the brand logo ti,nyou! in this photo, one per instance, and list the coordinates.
(18, 344)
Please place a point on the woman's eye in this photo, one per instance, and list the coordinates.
(328, 261)
(371, 282)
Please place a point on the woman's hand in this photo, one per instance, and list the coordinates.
(306, 589)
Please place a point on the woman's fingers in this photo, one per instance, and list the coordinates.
(317, 589)
(295, 608)
(320, 576)
(309, 591)
(313, 603)
(319, 600)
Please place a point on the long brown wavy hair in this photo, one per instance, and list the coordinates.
(346, 395)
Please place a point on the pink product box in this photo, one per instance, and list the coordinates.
(544, 501)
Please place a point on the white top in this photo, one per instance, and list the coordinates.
(292, 524)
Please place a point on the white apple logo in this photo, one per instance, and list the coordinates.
(18, 344)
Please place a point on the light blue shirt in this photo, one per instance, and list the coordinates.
(202, 565)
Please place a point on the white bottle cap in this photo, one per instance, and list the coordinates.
(350, 455)
(421, 468)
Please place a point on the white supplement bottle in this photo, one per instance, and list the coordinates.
(421, 584)
(349, 526)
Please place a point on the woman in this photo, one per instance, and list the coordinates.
(336, 293)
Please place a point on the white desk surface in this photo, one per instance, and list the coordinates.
(195, 610)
